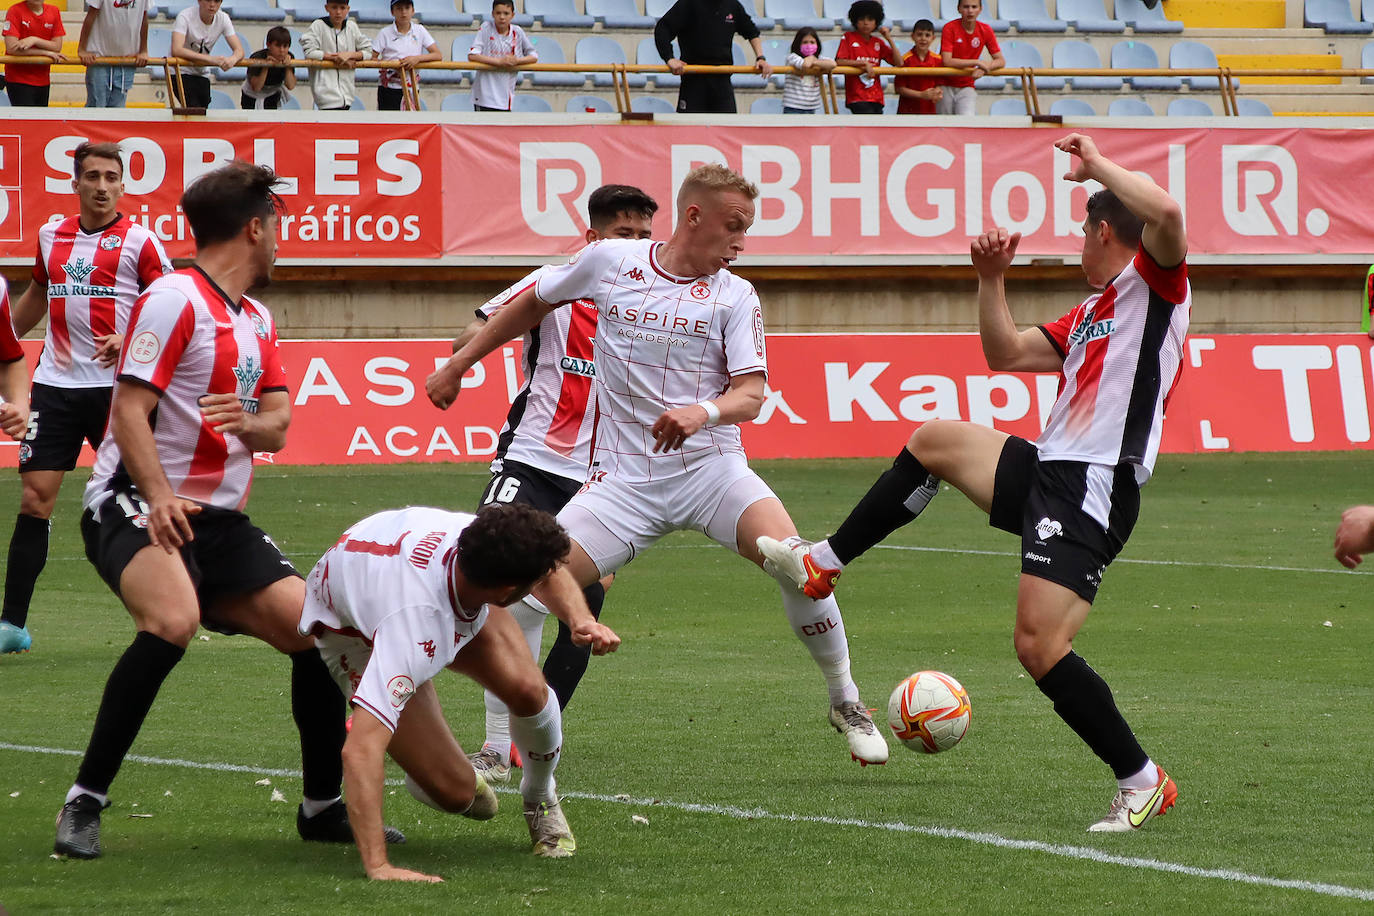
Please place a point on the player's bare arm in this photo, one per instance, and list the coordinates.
(1005, 348)
(468, 333)
(168, 524)
(1355, 535)
(364, 756)
(29, 308)
(1164, 235)
(264, 431)
(560, 593)
(740, 403)
(14, 388)
(519, 315)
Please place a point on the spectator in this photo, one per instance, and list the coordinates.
(705, 30)
(961, 46)
(801, 92)
(861, 48)
(268, 87)
(406, 41)
(336, 38)
(919, 94)
(34, 28)
(1367, 301)
(194, 34)
(499, 44)
(112, 28)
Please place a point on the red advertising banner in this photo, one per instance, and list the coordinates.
(839, 396)
(351, 192)
(892, 189)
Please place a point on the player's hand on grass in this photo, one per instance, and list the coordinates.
(390, 872)
(676, 425)
(169, 522)
(107, 349)
(1355, 535)
(14, 420)
(600, 637)
(443, 385)
(993, 251)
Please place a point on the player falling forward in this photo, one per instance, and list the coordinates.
(679, 364)
(1074, 495)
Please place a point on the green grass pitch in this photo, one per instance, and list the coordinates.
(1240, 652)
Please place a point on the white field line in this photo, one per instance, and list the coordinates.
(1083, 853)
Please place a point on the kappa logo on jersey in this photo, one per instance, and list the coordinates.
(111, 242)
(700, 290)
(144, 348)
(577, 366)
(1047, 528)
(248, 375)
(634, 273)
(428, 646)
(400, 688)
(596, 477)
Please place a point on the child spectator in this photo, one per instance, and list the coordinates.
(801, 92)
(194, 34)
(34, 28)
(112, 28)
(406, 41)
(918, 94)
(268, 87)
(961, 45)
(863, 94)
(336, 38)
(500, 44)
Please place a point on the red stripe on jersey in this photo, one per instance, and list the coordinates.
(149, 263)
(9, 344)
(208, 459)
(1089, 375)
(64, 240)
(106, 273)
(572, 398)
(273, 375)
(1169, 282)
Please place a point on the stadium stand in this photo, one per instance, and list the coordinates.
(528, 102)
(222, 100)
(371, 12)
(457, 101)
(1137, 55)
(619, 14)
(1088, 16)
(555, 14)
(481, 9)
(551, 52)
(1025, 54)
(1007, 107)
(1130, 108)
(1334, 17)
(586, 103)
(745, 80)
(1142, 18)
(1030, 16)
(1367, 62)
(1194, 55)
(795, 14)
(647, 53)
(1072, 54)
(949, 10)
(1186, 107)
(254, 10)
(1253, 108)
(433, 13)
(651, 103)
(1072, 108)
(766, 104)
(598, 49)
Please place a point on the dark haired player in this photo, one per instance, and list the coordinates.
(1073, 495)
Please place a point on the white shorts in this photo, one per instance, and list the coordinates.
(613, 521)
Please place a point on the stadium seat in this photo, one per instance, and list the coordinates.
(619, 14)
(1194, 55)
(902, 14)
(1189, 108)
(949, 10)
(584, 102)
(1142, 18)
(829, 46)
(794, 14)
(1366, 59)
(236, 74)
(1024, 54)
(558, 14)
(371, 12)
(767, 104)
(765, 23)
(1367, 10)
(524, 101)
(290, 103)
(441, 13)
(656, 8)
(1088, 16)
(1130, 108)
(647, 53)
(303, 10)
(651, 103)
(1029, 16)
(1136, 55)
(1253, 108)
(1335, 17)
(222, 100)
(1071, 54)
(551, 52)
(456, 101)
(744, 80)
(598, 49)
(254, 11)
(170, 10)
(4, 100)
(159, 45)
(1004, 107)
(480, 10)
(1072, 108)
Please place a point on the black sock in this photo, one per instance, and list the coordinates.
(566, 664)
(319, 709)
(1084, 701)
(894, 500)
(129, 694)
(28, 556)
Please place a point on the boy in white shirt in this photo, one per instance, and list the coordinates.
(500, 44)
(404, 40)
(112, 28)
(335, 38)
(194, 34)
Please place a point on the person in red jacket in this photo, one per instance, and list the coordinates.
(962, 44)
(863, 94)
(32, 28)
(920, 94)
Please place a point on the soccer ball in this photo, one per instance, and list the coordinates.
(929, 712)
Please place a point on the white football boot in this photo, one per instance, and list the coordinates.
(549, 830)
(1133, 807)
(855, 722)
(488, 764)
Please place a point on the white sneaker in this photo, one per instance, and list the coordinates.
(790, 561)
(855, 722)
(489, 765)
(1133, 807)
(549, 830)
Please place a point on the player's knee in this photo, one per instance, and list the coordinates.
(1035, 652)
(36, 503)
(927, 442)
(528, 697)
(453, 796)
(178, 629)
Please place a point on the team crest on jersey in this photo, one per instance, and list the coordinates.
(144, 348)
(700, 290)
(400, 688)
(976, 42)
(25, 452)
(79, 269)
(110, 242)
(1047, 528)
(259, 326)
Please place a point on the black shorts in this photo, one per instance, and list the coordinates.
(60, 419)
(229, 555)
(520, 483)
(706, 93)
(1044, 502)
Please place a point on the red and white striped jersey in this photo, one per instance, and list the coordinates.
(387, 582)
(93, 279)
(185, 340)
(9, 343)
(1123, 352)
(550, 421)
(661, 342)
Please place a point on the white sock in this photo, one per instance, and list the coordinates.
(824, 556)
(821, 629)
(1145, 779)
(76, 790)
(313, 806)
(531, 623)
(540, 739)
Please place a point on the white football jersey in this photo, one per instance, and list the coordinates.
(662, 342)
(550, 421)
(387, 582)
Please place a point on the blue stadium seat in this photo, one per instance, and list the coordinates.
(765, 23)
(159, 45)
(372, 12)
(480, 10)
(829, 46)
(598, 49)
(1189, 108)
(551, 52)
(1136, 55)
(1072, 108)
(794, 14)
(441, 13)
(236, 74)
(1007, 107)
(170, 10)
(303, 10)
(901, 13)
(558, 14)
(1366, 58)
(4, 100)
(456, 101)
(290, 103)
(1367, 10)
(1030, 16)
(1088, 16)
(254, 11)
(745, 80)
(1335, 17)
(766, 104)
(523, 101)
(949, 10)
(1024, 54)
(1071, 54)
(647, 53)
(222, 100)
(656, 8)
(583, 102)
(651, 103)
(1194, 55)
(1130, 107)
(619, 14)
(1253, 108)
(1142, 18)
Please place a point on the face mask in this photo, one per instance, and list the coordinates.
(808, 49)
